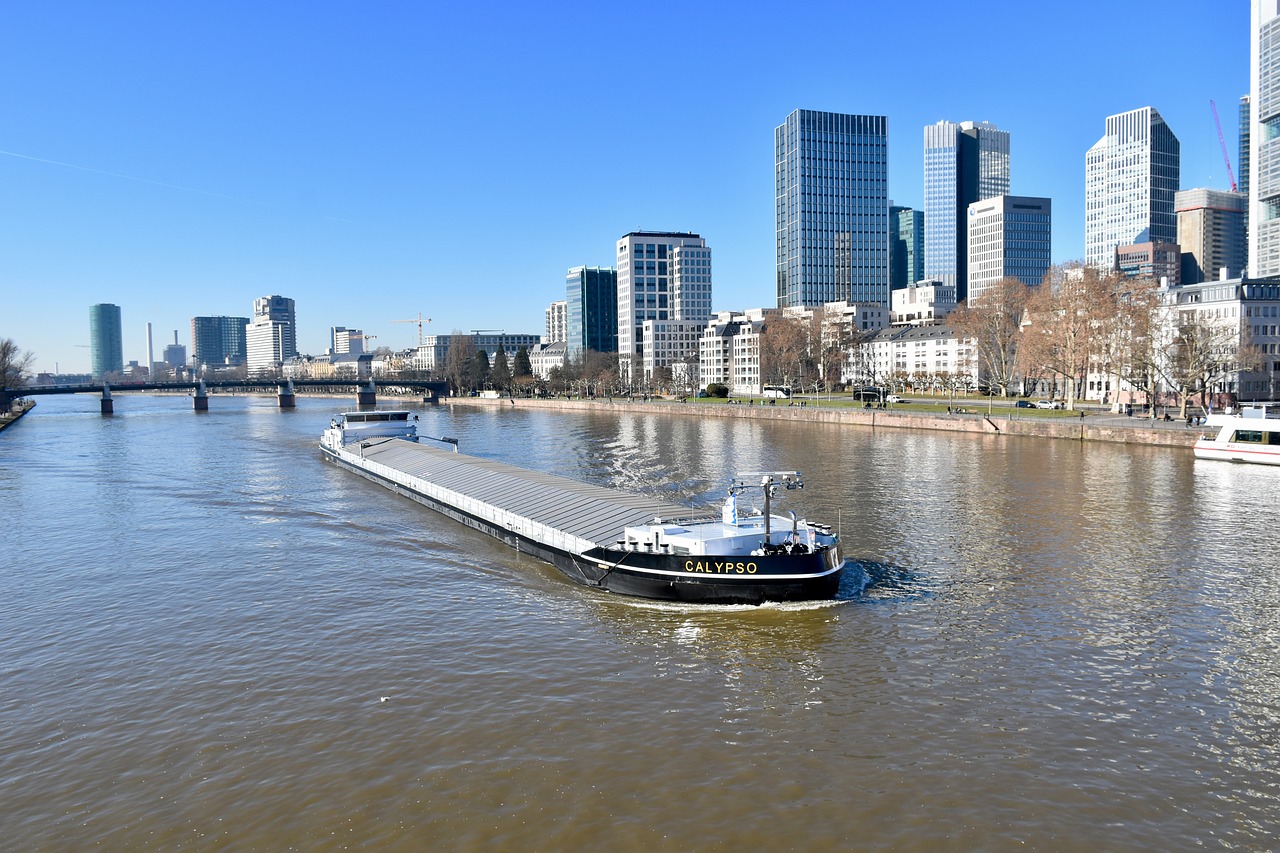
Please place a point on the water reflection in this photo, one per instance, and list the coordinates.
(1039, 644)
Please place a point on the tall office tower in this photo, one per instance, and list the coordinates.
(591, 310)
(1009, 236)
(1264, 150)
(557, 322)
(964, 162)
(1130, 177)
(1242, 179)
(1210, 233)
(662, 276)
(216, 341)
(106, 340)
(831, 208)
(271, 338)
(906, 247)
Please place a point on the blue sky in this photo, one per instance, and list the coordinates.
(376, 160)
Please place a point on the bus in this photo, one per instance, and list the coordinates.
(778, 391)
(869, 394)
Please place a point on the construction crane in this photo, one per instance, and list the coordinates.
(420, 320)
(1223, 143)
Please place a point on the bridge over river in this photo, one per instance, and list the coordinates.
(365, 393)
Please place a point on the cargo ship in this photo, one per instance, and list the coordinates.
(611, 540)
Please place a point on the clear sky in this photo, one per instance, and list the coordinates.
(380, 159)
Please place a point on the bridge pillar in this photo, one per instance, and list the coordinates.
(367, 396)
(201, 399)
(285, 398)
(108, 407)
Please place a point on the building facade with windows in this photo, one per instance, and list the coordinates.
(662, 276)
(1131, 176)
(1009, 236)
(930, 358)
(557, 325)
(1263, 184)
(344, 341)
(218, 341)
(591, 312)
(831, 208)
(729, 351)
(1211, 233)
(1249, 309)
(1160, 262)
(922, 304)
(906, 247)
(964, 162)
(433, 354)
(271, 336)
(106, 340)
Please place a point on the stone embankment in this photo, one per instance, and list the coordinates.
(1108, 428)
(18, 409)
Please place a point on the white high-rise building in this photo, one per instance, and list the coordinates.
(1131, 176)
(271, 337)
(1263, 180)
(1009, 235)
(344, 341)
(964, 162)
(557, 322)
(662, 276)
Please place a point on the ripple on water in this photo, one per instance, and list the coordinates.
(1051, 645)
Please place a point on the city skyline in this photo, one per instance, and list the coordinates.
(144, 170)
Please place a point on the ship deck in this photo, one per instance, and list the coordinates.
(591, 515)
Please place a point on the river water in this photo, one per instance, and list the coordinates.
(1038, 645)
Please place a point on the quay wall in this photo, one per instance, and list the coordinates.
(1131, 431)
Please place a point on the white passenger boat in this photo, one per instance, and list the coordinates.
(611, 540)
(1251, 435)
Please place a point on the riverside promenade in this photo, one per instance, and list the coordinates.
(1102, 427)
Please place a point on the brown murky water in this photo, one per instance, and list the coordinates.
(1043, 645)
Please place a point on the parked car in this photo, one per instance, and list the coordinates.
(1048, 404)
(894, 398)
(1024, 404)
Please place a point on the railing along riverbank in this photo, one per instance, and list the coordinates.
(1113, 429)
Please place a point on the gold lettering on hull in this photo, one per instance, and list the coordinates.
(716, 567)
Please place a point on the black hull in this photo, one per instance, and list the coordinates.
(692, 580)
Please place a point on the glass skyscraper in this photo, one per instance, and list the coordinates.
(1264, 131)
(591, 297)
(832, 209)
(1242, 185)
(218, 340)
(964, 162)
(106, 340)
(1131, 176)
(906, 247)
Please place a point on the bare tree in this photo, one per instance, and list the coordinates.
(993, 321)
(841, 347)
(1063, 317)
(784, 352)
(458, 361)
(14, 364)
(1204, 353)
(1137, 338)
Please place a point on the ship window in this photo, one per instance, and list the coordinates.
(1252, 436)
